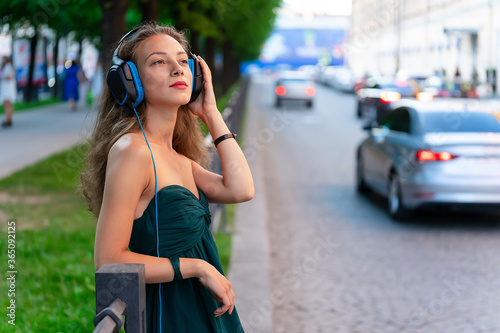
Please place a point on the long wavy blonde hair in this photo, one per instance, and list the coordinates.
(113, 121)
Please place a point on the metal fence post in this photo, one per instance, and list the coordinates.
(128, 283)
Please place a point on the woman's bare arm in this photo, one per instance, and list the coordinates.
(236, 183)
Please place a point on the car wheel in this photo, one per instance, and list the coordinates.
(394, 200)
(360, 180)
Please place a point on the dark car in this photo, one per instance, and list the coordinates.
(433, 154)
(375, 98)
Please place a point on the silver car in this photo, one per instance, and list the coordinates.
(295, 85)
(435, 153)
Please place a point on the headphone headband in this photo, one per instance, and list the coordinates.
(116, 59)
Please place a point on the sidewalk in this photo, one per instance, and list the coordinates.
(41, 132)
(249, 266)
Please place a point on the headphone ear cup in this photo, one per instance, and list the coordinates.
(125, 84)
(197, 86)
(116, 84)
(139, 96)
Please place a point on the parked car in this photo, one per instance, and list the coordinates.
(444, 153)
(343, 80)
(326, 74)
(295, 85)
(378, 93)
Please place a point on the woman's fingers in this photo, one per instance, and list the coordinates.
(232, 301)
(226, 306)
(207, 74)
(221, 290)
(227, 301)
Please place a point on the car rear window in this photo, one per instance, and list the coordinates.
(293, 80)
(461, 122)
(405, 88)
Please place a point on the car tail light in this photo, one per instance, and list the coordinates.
(389, 96)
(280, 91)
(310, 91)
(424, 97)
(427, 155)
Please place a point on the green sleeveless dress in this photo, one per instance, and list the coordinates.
(183, 228)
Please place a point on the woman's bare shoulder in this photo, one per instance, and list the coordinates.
(130, 147)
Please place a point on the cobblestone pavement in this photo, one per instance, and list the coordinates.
(338, 263)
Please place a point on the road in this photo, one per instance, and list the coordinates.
(337, 262)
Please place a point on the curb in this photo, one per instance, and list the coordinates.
(249, 265)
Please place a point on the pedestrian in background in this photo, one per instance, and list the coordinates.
(457, 82)
(97, 81)
(84, 85)
(8, 89)
(71, 85)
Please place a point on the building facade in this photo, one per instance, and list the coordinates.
(422, 37)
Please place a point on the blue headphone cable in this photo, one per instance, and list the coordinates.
(156, 208)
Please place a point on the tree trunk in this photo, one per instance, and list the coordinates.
(194, 39)
(149, 10)
(231, 67)
(29, 85)
(55, 88)
(45, 61)
(209, 55)
(113, 26)
(80, 50)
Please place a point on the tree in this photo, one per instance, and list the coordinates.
(113, 25)
(149, 10)
(79, 16)
(245, 25)
(236, 27)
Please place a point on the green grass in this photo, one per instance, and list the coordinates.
(25, 106)
(54, 247)
(223, 238)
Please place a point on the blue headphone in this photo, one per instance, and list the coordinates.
(125, 84)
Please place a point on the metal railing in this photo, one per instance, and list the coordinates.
(232, 115)
(120, 289)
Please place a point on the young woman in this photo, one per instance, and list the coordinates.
(8, 89)
(186, 288)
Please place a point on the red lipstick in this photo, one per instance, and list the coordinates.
(179, 85)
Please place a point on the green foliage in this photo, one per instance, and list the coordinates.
(246, 24)
(80, 16)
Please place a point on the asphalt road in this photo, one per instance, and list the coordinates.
(337, 262)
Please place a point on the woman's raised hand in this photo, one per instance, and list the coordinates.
(205, 103)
